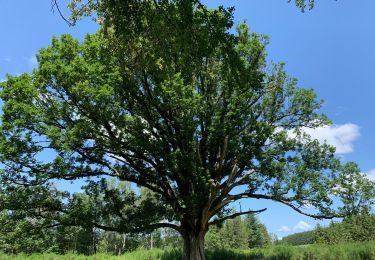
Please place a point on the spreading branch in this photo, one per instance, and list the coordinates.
(220, 220)
(147, 227)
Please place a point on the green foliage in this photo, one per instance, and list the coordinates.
(19, 234)
(75, 240)
(302, 4)
(354, 228)
(354, 189)
(238, 233)
(73, 231)
(132, 10)
(166, 96)
(258, 236)
(106, 115)
(171, 239)
(352, 251)
(301, 238)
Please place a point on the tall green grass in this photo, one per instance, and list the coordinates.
(352, 251)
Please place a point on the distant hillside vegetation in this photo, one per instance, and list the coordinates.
(302, 238)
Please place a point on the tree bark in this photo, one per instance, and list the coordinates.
(193, 246)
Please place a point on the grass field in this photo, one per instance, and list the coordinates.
(353, 251)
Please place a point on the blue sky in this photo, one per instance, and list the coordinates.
(329, 48)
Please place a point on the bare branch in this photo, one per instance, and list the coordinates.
(241, 180)
(284, 200)
(230, 179)
(56, 5)
(164, 225)
(217, 221)
(226, 188)
(316, 216)
(148, 227)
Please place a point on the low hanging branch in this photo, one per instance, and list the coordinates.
(220, 220)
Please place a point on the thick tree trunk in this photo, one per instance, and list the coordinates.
(193, 246)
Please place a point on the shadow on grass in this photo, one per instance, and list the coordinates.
(226, 254)
(248, 255)
(171, 255)
(223, 254)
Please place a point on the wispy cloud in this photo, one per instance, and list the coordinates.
(371, 174)
(307, 206)
(7, 59)
(284, 229)
(302, 225)
(32, 61)
(339, 136)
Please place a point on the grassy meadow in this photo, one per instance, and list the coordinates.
(351, 251)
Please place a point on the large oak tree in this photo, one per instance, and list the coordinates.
(168, 97)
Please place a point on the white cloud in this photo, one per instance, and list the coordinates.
(2, 80)
(284, 229)
(371, 174)
(307, 205)
(32, 61)
(339, 136)
(7, 59)
(302, 225)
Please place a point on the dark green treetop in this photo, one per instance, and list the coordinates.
(136, 8)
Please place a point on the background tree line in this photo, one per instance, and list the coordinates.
(27, 236)
(24, 236)
(20, 233)
(360, 227)
(239, 233)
